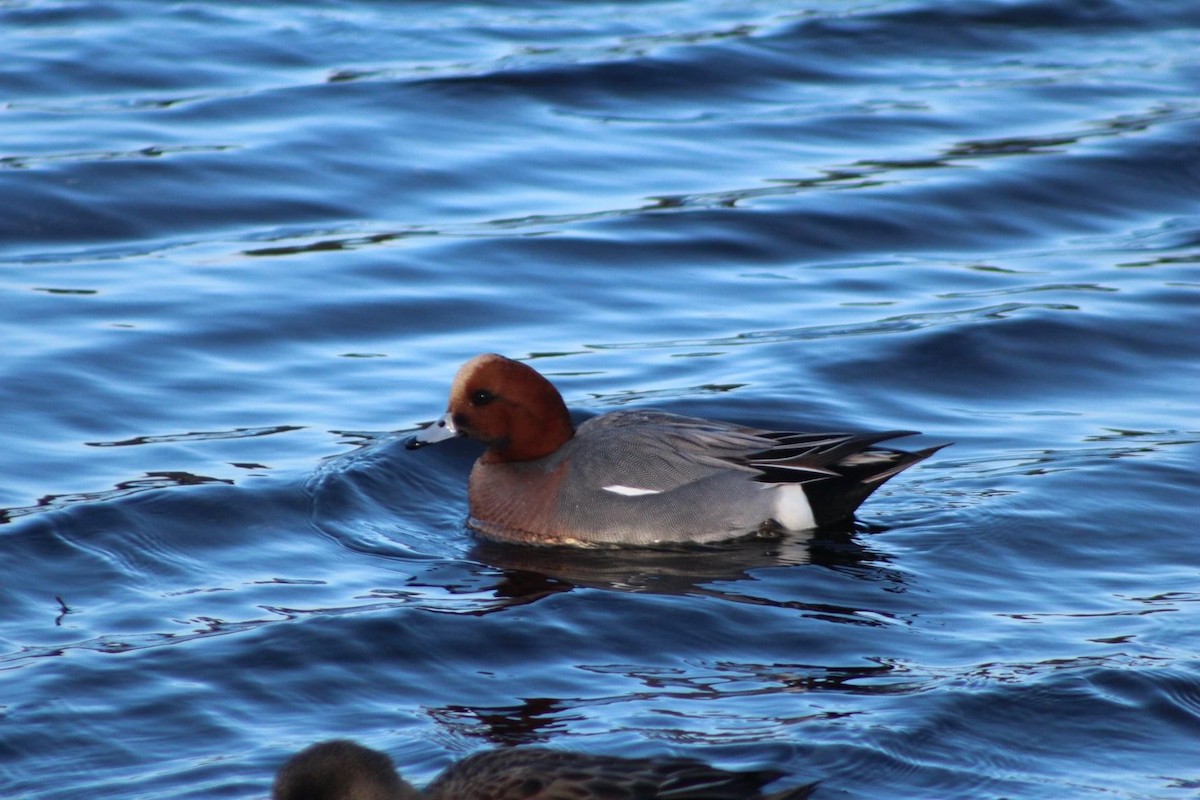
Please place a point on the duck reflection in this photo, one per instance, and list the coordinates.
(530, 572)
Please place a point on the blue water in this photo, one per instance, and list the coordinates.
(244, 249)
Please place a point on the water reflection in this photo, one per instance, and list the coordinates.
(540, 719)
(725, 571)
(657, 570)
(533, 720)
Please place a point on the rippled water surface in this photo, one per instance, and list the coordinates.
(244, 247)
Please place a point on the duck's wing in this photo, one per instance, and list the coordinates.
(801, 457)
(676, 449)
(657, 452)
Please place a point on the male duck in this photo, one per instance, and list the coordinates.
(343, 770)
(644, 477)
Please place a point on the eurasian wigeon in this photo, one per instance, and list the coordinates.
(638, 477)
(344, 770)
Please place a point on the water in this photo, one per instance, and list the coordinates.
(243, 250)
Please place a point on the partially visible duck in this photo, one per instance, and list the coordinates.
(644, 477)
(344, 770)
(340, 770)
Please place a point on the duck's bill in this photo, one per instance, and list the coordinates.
(435, 432)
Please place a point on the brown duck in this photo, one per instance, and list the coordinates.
(343, 770)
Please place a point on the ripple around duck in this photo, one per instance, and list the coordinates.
(150, 481)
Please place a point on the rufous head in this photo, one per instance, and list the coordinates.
(505, 404)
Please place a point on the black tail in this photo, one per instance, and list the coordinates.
(835, 498)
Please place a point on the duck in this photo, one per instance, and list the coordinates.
(640, 477)
(341, 769)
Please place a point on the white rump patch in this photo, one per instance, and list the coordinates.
(792, 509)
(629, 491)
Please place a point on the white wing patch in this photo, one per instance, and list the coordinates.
(629, 491)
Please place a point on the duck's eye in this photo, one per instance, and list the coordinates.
(481, 397)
